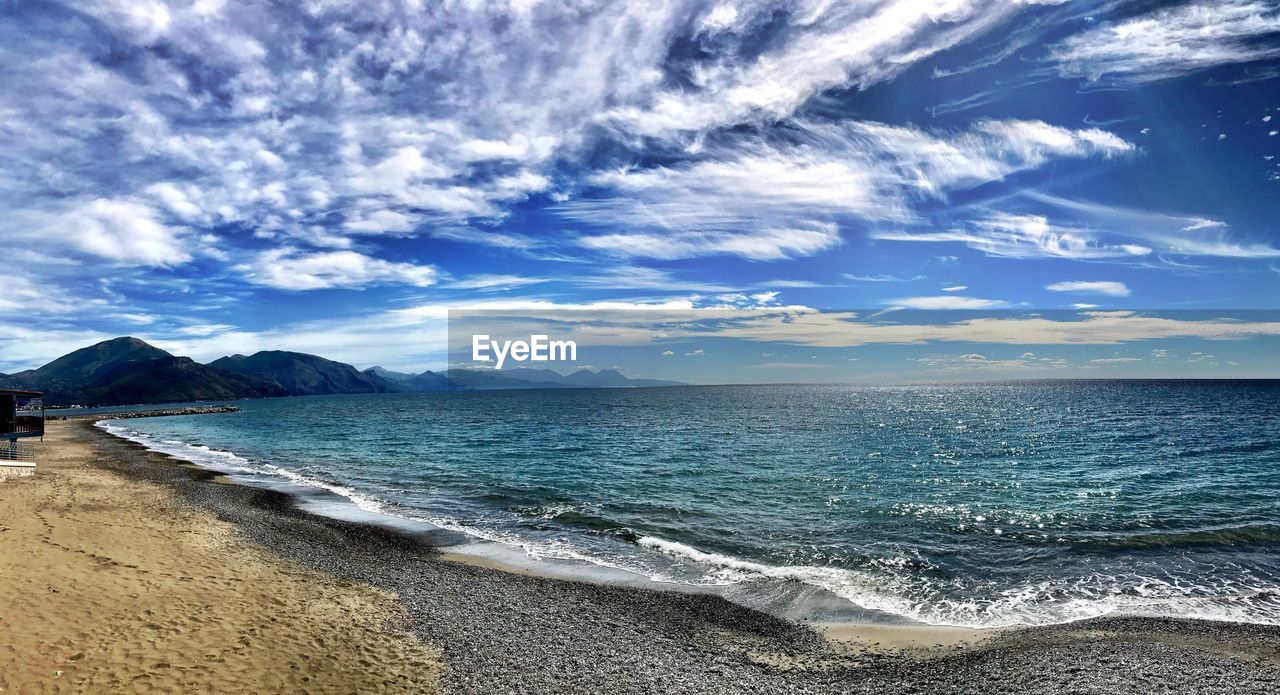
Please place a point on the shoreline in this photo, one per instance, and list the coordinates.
(806, 604)
(497, 631)
(794, 601)
(898, 636)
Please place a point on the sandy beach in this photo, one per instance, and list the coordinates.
(125, 570)
(111, 585)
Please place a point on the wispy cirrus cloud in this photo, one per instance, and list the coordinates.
(777, 198)
(1110, 288)
(1023, 236)
(308, 124)
(882, 277)
(628, 277)
(763, 245)
(946, 302)
(1165, 232)
(816, 46)
(1172, 42)
(493, 283)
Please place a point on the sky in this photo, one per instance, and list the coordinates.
(898, 189)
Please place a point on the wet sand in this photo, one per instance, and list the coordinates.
(503, 632)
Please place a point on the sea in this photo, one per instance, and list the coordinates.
(978, 505)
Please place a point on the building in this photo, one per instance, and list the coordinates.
(21, 417)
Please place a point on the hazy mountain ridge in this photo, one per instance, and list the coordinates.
(525, 378)
(300, 374)
(404, 382)
(126, 371)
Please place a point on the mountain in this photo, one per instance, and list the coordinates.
(389, 375)
(168, 380)
(610, 378)
(127, 370)
(75, 369)
(403, 382)
(489, 380)
(300, 374)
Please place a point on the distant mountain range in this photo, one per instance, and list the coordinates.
(127, 371)
(489, 380)
(299, 374)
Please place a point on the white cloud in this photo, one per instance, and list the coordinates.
(839, 329)
(790, 365)
(1023, 236)
(819, 45)
(880, 278)
(494, 282)
(990, 151)
(289, 269)
(22, 296)
(24, 347)
(762, 245)
(974, 362)
(1166, 232)
(1107, 287)
(769, 199)
(1115, 360)
(796, 284)
(949, 301)
(1195, 224)
(118, 230)
(955, 288)
(379, 222)
(629, 277)
(129, 317)
(281, 117)
(204, 329)
(485, 237)
(1172, 42)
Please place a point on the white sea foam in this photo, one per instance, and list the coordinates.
(1039, 603)
(232, 463)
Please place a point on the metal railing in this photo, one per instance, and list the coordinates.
(17, 451)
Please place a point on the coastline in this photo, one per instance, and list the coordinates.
(498, 631)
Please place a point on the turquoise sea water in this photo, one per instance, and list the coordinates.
(979, 505)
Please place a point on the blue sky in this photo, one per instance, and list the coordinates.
(333, 177)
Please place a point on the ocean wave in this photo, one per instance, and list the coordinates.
(1046, 602)
(231, 463)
